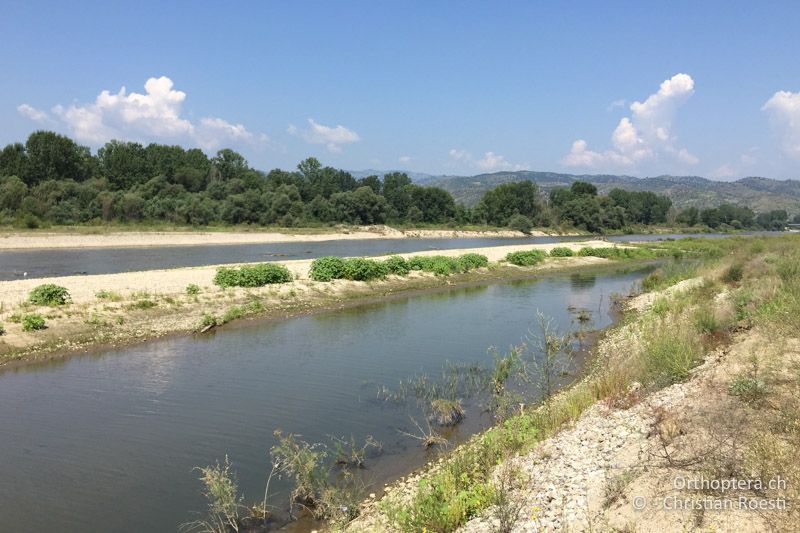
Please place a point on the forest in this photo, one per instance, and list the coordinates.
(52, 180)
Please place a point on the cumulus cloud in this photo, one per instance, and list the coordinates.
(643, 136)
(784, 109)
(333, 137)
(32, 113)
(152, 115)
(490, 162)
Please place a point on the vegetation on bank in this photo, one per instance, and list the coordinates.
(760, 279)
(51, 180)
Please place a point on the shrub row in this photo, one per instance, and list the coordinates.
(528, 258)
(359, 269)
(617, 253)
(252, 276)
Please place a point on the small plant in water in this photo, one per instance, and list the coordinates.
(224, 503)
(447, 412)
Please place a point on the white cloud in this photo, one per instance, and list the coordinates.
(404, 159)
(333, 137)
(645, 135)
(490, 162)
(784, 109)
(32, 113)
(152, 115)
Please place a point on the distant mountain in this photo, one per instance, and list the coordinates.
(760, 194)
(415, 176)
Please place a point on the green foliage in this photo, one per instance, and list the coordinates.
(669, 353)
(359, 269)
(2, 329)
(104, 294)
(527, 258)
(252, 275)
(397, 265)
(733, 274)
(207, 321)
(561, 251)
(33, 322)
(706, 321)
(471, 261)
(617, 253)
(224, 503)
(49, 294)
(748, 388)
(520, 223)
(192, 289)
(327, 268)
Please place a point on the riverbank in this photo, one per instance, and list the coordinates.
(699, 382)
(118, 309)
(70, 238)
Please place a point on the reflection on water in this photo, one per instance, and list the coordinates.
(109, 440)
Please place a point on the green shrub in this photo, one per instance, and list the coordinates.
(561, 251)
(327, 268)
(617, 253)
(397, 265)
(2, 330)
(438, 264)
(529, 258)
(33, 322)
(733, 273)
(472, 261)
(192, 289)
(520, 223)
(49, 294)
(252, 276)
(359, 269)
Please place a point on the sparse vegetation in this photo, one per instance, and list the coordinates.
(192, 289)
(33, 322)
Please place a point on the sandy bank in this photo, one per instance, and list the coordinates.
(11, 241)
(115, 309)
(174, 281)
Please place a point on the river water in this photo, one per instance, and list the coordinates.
(69, 261)
(108, 441)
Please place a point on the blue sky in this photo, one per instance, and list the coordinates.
(437, 87)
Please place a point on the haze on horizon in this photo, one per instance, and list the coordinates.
(709, 89)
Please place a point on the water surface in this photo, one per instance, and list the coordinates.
(69, 261)
(108, 441)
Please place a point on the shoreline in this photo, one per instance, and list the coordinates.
(131, 239)
(138, 306)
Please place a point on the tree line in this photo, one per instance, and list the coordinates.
(50, 179)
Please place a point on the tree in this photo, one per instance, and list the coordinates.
(582, 188)
(51, 156)
(689, 216)
(498, 205)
